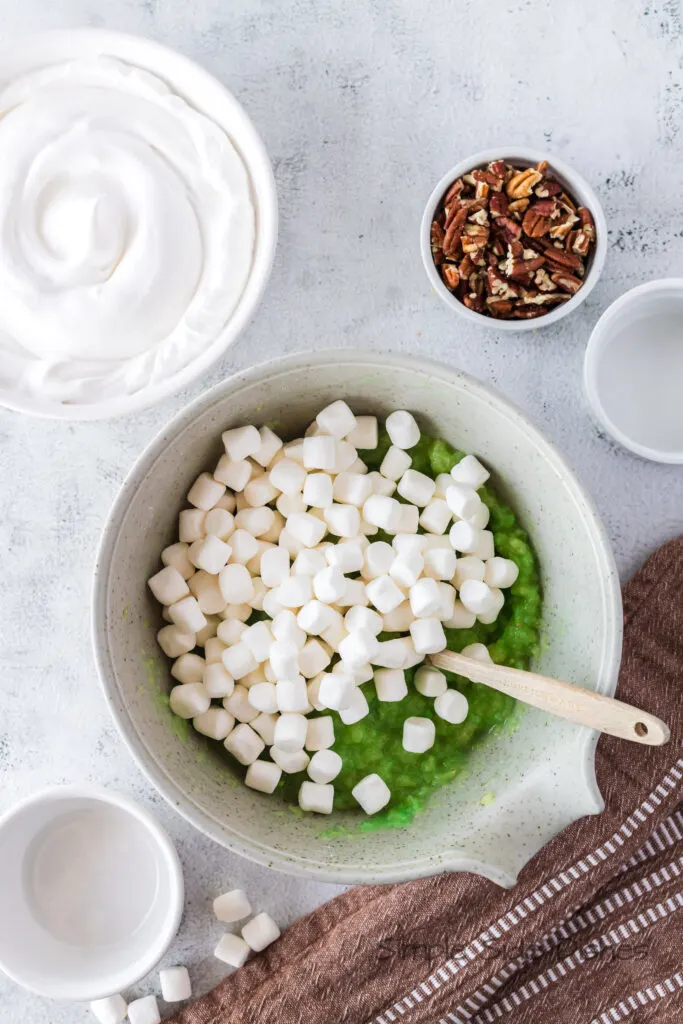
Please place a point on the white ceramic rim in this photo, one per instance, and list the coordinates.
(101, 988)
(266, 208)
(204, 822)
(596, 344)
(580, 190)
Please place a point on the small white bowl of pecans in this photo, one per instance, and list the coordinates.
(512, 239)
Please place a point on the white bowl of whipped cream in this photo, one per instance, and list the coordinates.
(138, 223)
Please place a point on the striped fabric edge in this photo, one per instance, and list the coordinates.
(554, 975)
(644, 997)
(530, 904)
(664, 836)
(568, 929)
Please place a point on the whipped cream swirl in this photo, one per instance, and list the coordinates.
(126, 231)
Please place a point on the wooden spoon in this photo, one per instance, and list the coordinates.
(562, 699)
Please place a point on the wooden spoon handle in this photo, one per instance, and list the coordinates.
(606, 714)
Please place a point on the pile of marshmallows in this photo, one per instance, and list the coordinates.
(176, 986)
(286, 529)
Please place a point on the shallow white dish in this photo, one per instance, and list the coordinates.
(91, 893)
(541, 773)
(576, 186)
(633, 370)
(209, 96)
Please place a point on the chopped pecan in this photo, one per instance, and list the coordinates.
(528, 312)
(499, 168)
(545, 189)
(580, 243)
(437, 235)
(479, 217)
(498, 286)
(498, 204)
(482, 190)
(587, 222)
(563, 259)
(465, 268)
(542, 167)
(562, 228)
(535, 224)
(450, 275)
(474, 238)
(494, 181)
(451, 242)
(552, 298)
(567, 201)
(510, 229)
(475, 303)
(500, 308)
(518, 206)
(567, 282)
(522, 183)
(542, 280)
(454, 191)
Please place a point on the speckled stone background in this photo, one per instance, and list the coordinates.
(362, 106)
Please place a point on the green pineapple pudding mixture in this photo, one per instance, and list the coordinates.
(385, 744)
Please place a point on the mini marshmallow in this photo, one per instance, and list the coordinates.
(168, 586)
(217, 681)
(187, 615)
(428, 636)
(216, 723)
(258, 638)
(292, 695)
(383, 512)
(284, 627)
(144, 1011)
(306, 528)
(263, 776)
(336, 691)
(295, 450)
(452, 706)
(384, 594)
(175, 557)
(205, 492)
(491, 615)
(395, 463)
(272, 535)
(313, 659)
(392, 653)
(191, 525)
(365, 434)
(232, 906)
(381, 485)
(442, 483)
(345, 456)
(309, 561)
(342, 520)
(286, 504)
(288, 476)
(244, 744)
(219, 523)
(356, 710)
(406, 569)
(264, 725)
(258, 675)
(479, 652)
(284, 659)
(315, 617)
(424, 598)
(409, 520)
(314, 796)
(318, 490)
(174, 642)
(235, 475)
(112, 1010)
(255, 521)
(336, 419)
(379, 558)
(446, 601)
(462, 501)
(210, 553)
(470, 472)
(347, 556)
(402, 429)
(485, 548)
(238, 660)
(319, 453)
(320, 736)
(408, 543)
(429, 681)
(461, 617)
(352, 488)
(254, 564)
(329, 584)
(358, 648)
(206, 589)
(275, 567)
(416, 488)
(324, 766)
(241, 442)
(372, 792)
(240, 612)
(291, 761)
(468, 568)
(418, 735)
(390, 684)
(313, 688)
(335, 633)
(481, 517)
(290, 732)
(295, 592)
(398, 620)
(228, 502)
(270, 445)
(232, 950)
(175, 984)
(477, 597)
(464, 537)
(501, 572)
(244, 545)
(188, 668)
(239, 706)
(263, 697)
(435, 516)
(236, 583)
(440, 563)
(231, 631)
(354, 594)
(290, 543)
(363, 618)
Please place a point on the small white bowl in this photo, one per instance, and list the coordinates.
(633, 370)
(91, 893)
(206, 94)
(575, 185)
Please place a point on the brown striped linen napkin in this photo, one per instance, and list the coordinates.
(592, 932)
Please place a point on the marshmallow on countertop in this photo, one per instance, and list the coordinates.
(144, 1011)
(232, 950)
(112, 1010)
(175, 984)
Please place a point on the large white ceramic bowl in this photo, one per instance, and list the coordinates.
(541, 773)
(209, 96)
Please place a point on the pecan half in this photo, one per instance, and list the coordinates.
(522, 183)
(535, 224)
(450, 275)
(567, 282)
